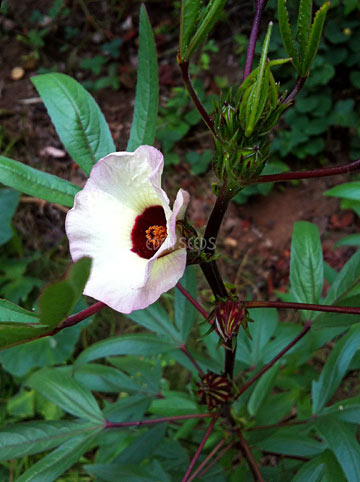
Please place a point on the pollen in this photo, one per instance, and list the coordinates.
(156, 235)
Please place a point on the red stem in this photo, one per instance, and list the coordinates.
(220, 455)
(186, 352)
(184, 68)
(201, 446)
(71, 321)
(192, 301)
(275, 359)
(291, 176)
(204, 462)
(301, 306)
(152, 421)
(260, 5)
(250, 459)
(298, 86)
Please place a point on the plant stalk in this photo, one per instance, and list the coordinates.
(301, 306)
(260, 5)
(153, 421)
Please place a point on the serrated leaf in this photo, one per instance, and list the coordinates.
(33, 437)
(36, 183)
(66, 393)
(77, 118)
(188, 19)
(314, 39)
(306, 264)
(49, 468)
(140, 344)
(341, 440)
(335, 368)
(58, 300)
(304, 24)
(208, 19)
(286, 34)
(147, 88)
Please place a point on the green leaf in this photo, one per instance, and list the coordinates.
(351, 240)
(173, 403)
(184, 310)
(210, 16)
(147, 88)
(262, 390)
(12, 334)
(314, 39)
(144, 446)
(59, 299)
(263, 328)
(47, 351)
(66, 393)
(346, 410)
(155, 318)
(9, 200)
(33, 437)
(127, 409)
(341, 440)
(332, 320)
(49, 468)
(36, 183)
(290, 443)
(150, 472)
(77, 118)
(311, 471)
(141, 344)
(335, 368)
(188, 19)
(348, 190)
(306, 264)
(286, 34)
(304, 24)
(345, 280)
(13, 313)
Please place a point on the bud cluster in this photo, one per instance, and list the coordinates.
(243, 119)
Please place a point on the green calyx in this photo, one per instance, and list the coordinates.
(243, 119)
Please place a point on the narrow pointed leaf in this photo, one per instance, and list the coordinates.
(335, 368)
(36, 183)
(9, 200)
(33, 437)
(189, 16)
(314, 39)
(286, 34)
(49, 468)
(341, 440)
(147, 88)
(306, 264)
(66, 393)
(184, 311)
(304, 24)
(13, 313)
(210, 17)
(77, 118)
(348, 277)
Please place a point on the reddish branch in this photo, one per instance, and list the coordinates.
(260, 5)
(184, 68)
(216, 459)
(192, 301)
(250, 459)
(275, 359)
(199, 450)
(301, 306)
(153, 421)
(291, 176)
(206, 460)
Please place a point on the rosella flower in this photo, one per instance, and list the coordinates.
(122, 220)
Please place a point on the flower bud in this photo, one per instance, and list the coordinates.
(214, 390)
(229, 316)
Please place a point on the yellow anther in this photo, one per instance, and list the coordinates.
(156, 235)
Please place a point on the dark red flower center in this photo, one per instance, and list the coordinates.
(149, 232)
